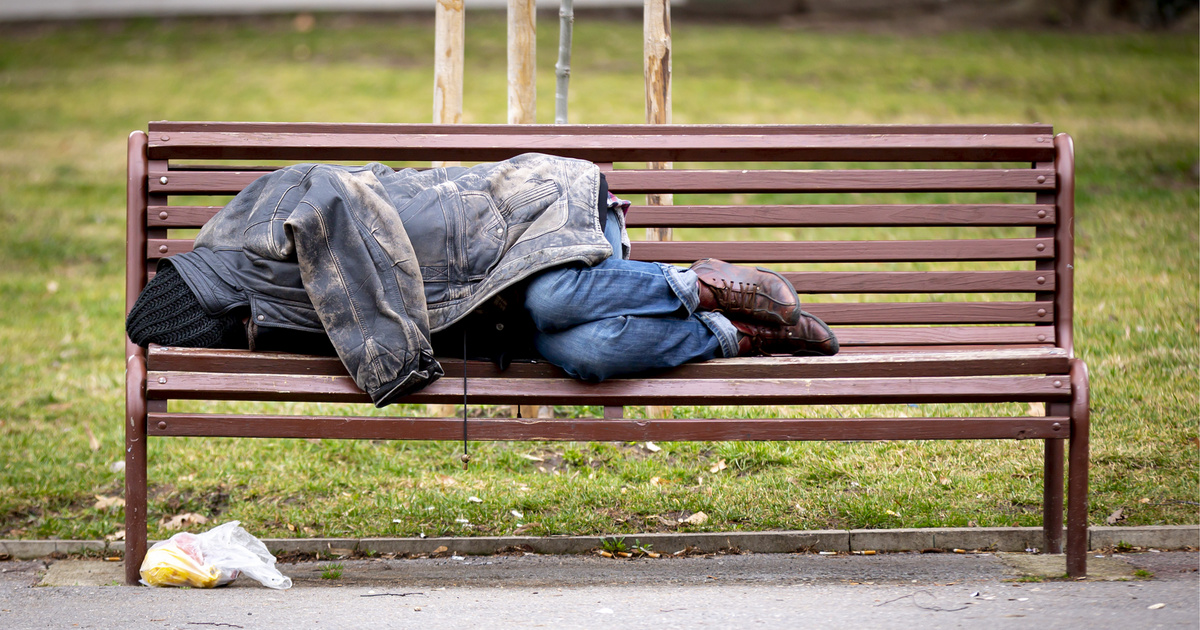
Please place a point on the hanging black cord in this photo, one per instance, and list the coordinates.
(465, 457)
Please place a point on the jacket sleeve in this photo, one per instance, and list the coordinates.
(361, 274)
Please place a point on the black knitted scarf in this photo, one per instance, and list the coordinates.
(168, 314)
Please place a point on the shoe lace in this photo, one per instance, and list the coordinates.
(740, 298)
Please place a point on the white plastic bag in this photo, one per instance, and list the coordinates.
(214, 558)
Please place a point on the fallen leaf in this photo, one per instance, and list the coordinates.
(93, 443)
(120, 535)
(717, 467)
(652, 447)
(1144, 500)
(698, 518)
(533, 458)
(291, 528)
(103, 502)
(440, 549)
(180, 521)
(524, 528)
(654, 481)
(117, 466)
(668, 522)
(474, 499)
(446, 480)
(1036, 409)
(1116, 517)
(892, 513)
(516, 514)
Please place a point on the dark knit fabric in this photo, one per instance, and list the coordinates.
(167, 313)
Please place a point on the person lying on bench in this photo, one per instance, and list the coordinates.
(512, 259)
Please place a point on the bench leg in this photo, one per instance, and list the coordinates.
(135, 465)
(1077, 488)
(1052, 494)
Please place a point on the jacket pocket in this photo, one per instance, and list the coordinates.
(529, 201)
(483, 233)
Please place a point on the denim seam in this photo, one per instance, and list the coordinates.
(675, 279)
(724, 331)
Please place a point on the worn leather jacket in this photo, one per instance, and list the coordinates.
(378, 259)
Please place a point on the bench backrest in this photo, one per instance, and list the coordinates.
(898, 236)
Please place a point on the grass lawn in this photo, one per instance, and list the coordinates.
(69, 96)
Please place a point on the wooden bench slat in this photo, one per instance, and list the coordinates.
(832, 215)
(933, 312)
(921, 281)
(709, 429)
(838, 215)
(845, 251)
(610, 147)
(713, 181)
(849, 336)
(929, 363)
(168, 126)
(900, 282)
(790, 251)
(536, 391)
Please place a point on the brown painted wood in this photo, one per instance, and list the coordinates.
(933, 313)
(713, 181)
(877, 364)
(575, 130)
(835, 215)
(921, 281)
(871, 337)
(607, 429)
(641, 391)
(791, 251)
(180, 216)
(980, 215)
(845, 251)
(640, 147)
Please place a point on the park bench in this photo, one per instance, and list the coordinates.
(941, 256)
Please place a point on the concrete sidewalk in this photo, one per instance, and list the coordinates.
(715, 591)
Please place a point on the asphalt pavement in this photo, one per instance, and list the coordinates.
(887, 590)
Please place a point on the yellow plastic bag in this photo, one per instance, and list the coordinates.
(213, 558)
(177, 562)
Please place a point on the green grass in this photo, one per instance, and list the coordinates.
(69, 96)
(331, 571)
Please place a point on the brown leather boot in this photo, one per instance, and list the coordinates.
(753, 292)
(809, 337)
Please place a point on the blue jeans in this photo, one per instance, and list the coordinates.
(623, 317)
